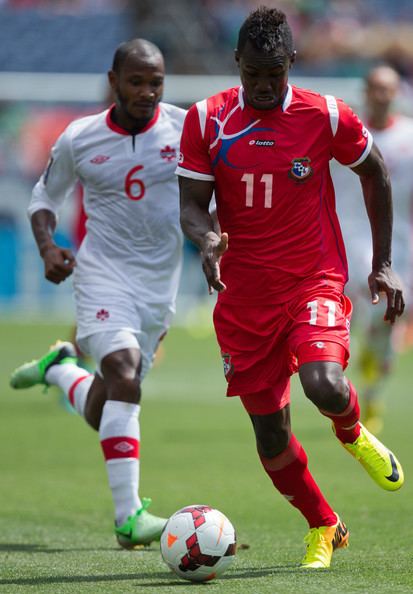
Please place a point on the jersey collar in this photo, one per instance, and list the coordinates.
(259, 112)
(119, 130)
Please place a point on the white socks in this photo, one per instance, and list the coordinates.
(74, 381)
(119, 436)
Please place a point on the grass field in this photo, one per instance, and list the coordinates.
(197, 447)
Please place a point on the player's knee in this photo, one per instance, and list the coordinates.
(325, 385)
(273, 445)
(124, 389)
(272, 438)
(121, 376)
(121, 365)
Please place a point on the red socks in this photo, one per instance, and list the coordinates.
(346, 424)
(290, 475)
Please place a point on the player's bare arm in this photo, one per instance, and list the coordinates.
(199, 226)
(376, 186)
(58, 262)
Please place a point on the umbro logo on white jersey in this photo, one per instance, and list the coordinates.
(99, 159)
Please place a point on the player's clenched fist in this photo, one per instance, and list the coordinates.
(58, 264)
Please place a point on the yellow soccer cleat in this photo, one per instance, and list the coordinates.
(381, 464)
(322, 542)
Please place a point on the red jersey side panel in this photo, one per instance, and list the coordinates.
(197, 163)
(273, 189)
(352, 140)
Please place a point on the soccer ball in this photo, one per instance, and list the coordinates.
(198, 543)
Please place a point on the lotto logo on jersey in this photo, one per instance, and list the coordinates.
(264, 143)
(301, 169)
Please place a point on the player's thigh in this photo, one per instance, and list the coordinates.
(116, 348)
(112, 320)
(320, 329)
(155, 322)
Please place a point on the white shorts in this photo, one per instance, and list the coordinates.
(109, 321)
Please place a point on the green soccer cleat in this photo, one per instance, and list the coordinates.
(381, 464)
(322, 542)
(33, 373)
(140, 529)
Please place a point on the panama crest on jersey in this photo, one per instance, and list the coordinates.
(301, 169)
(228, 365)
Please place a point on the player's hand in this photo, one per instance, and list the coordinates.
(58, 263)
(214, 247)
(386, 281)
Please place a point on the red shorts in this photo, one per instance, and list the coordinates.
(262, 346)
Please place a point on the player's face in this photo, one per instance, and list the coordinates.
(381, 91)
(138, 88)
(264, 77)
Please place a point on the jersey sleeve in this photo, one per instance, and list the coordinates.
(58, 180)
(352, 142)
(194, 161)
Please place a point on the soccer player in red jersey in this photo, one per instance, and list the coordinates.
(279, 264)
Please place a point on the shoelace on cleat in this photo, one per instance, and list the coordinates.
(312, 539)
(372, 452)
(146, 502)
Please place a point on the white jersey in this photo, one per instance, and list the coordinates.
(131, 199)
(395, 143)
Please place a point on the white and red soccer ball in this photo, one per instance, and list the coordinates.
(198, 543)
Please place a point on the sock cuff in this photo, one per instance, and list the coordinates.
(294, 451)
(119, 407)
(115, 448)
(119, 419)
(350, 406)
(352, 401)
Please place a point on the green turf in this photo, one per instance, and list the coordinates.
(197, 447)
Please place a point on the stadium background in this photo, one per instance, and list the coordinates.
(55, 507)
(55, 54)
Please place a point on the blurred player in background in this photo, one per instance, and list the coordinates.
(127, 269)
(378, 342)
(279, 265)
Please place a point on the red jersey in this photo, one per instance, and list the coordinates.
(273, 189)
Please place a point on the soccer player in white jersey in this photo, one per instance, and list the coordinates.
(126, 272)
(393, 133)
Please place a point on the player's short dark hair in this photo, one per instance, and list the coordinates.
(266, 29)
(132, 46)
(120, 55)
